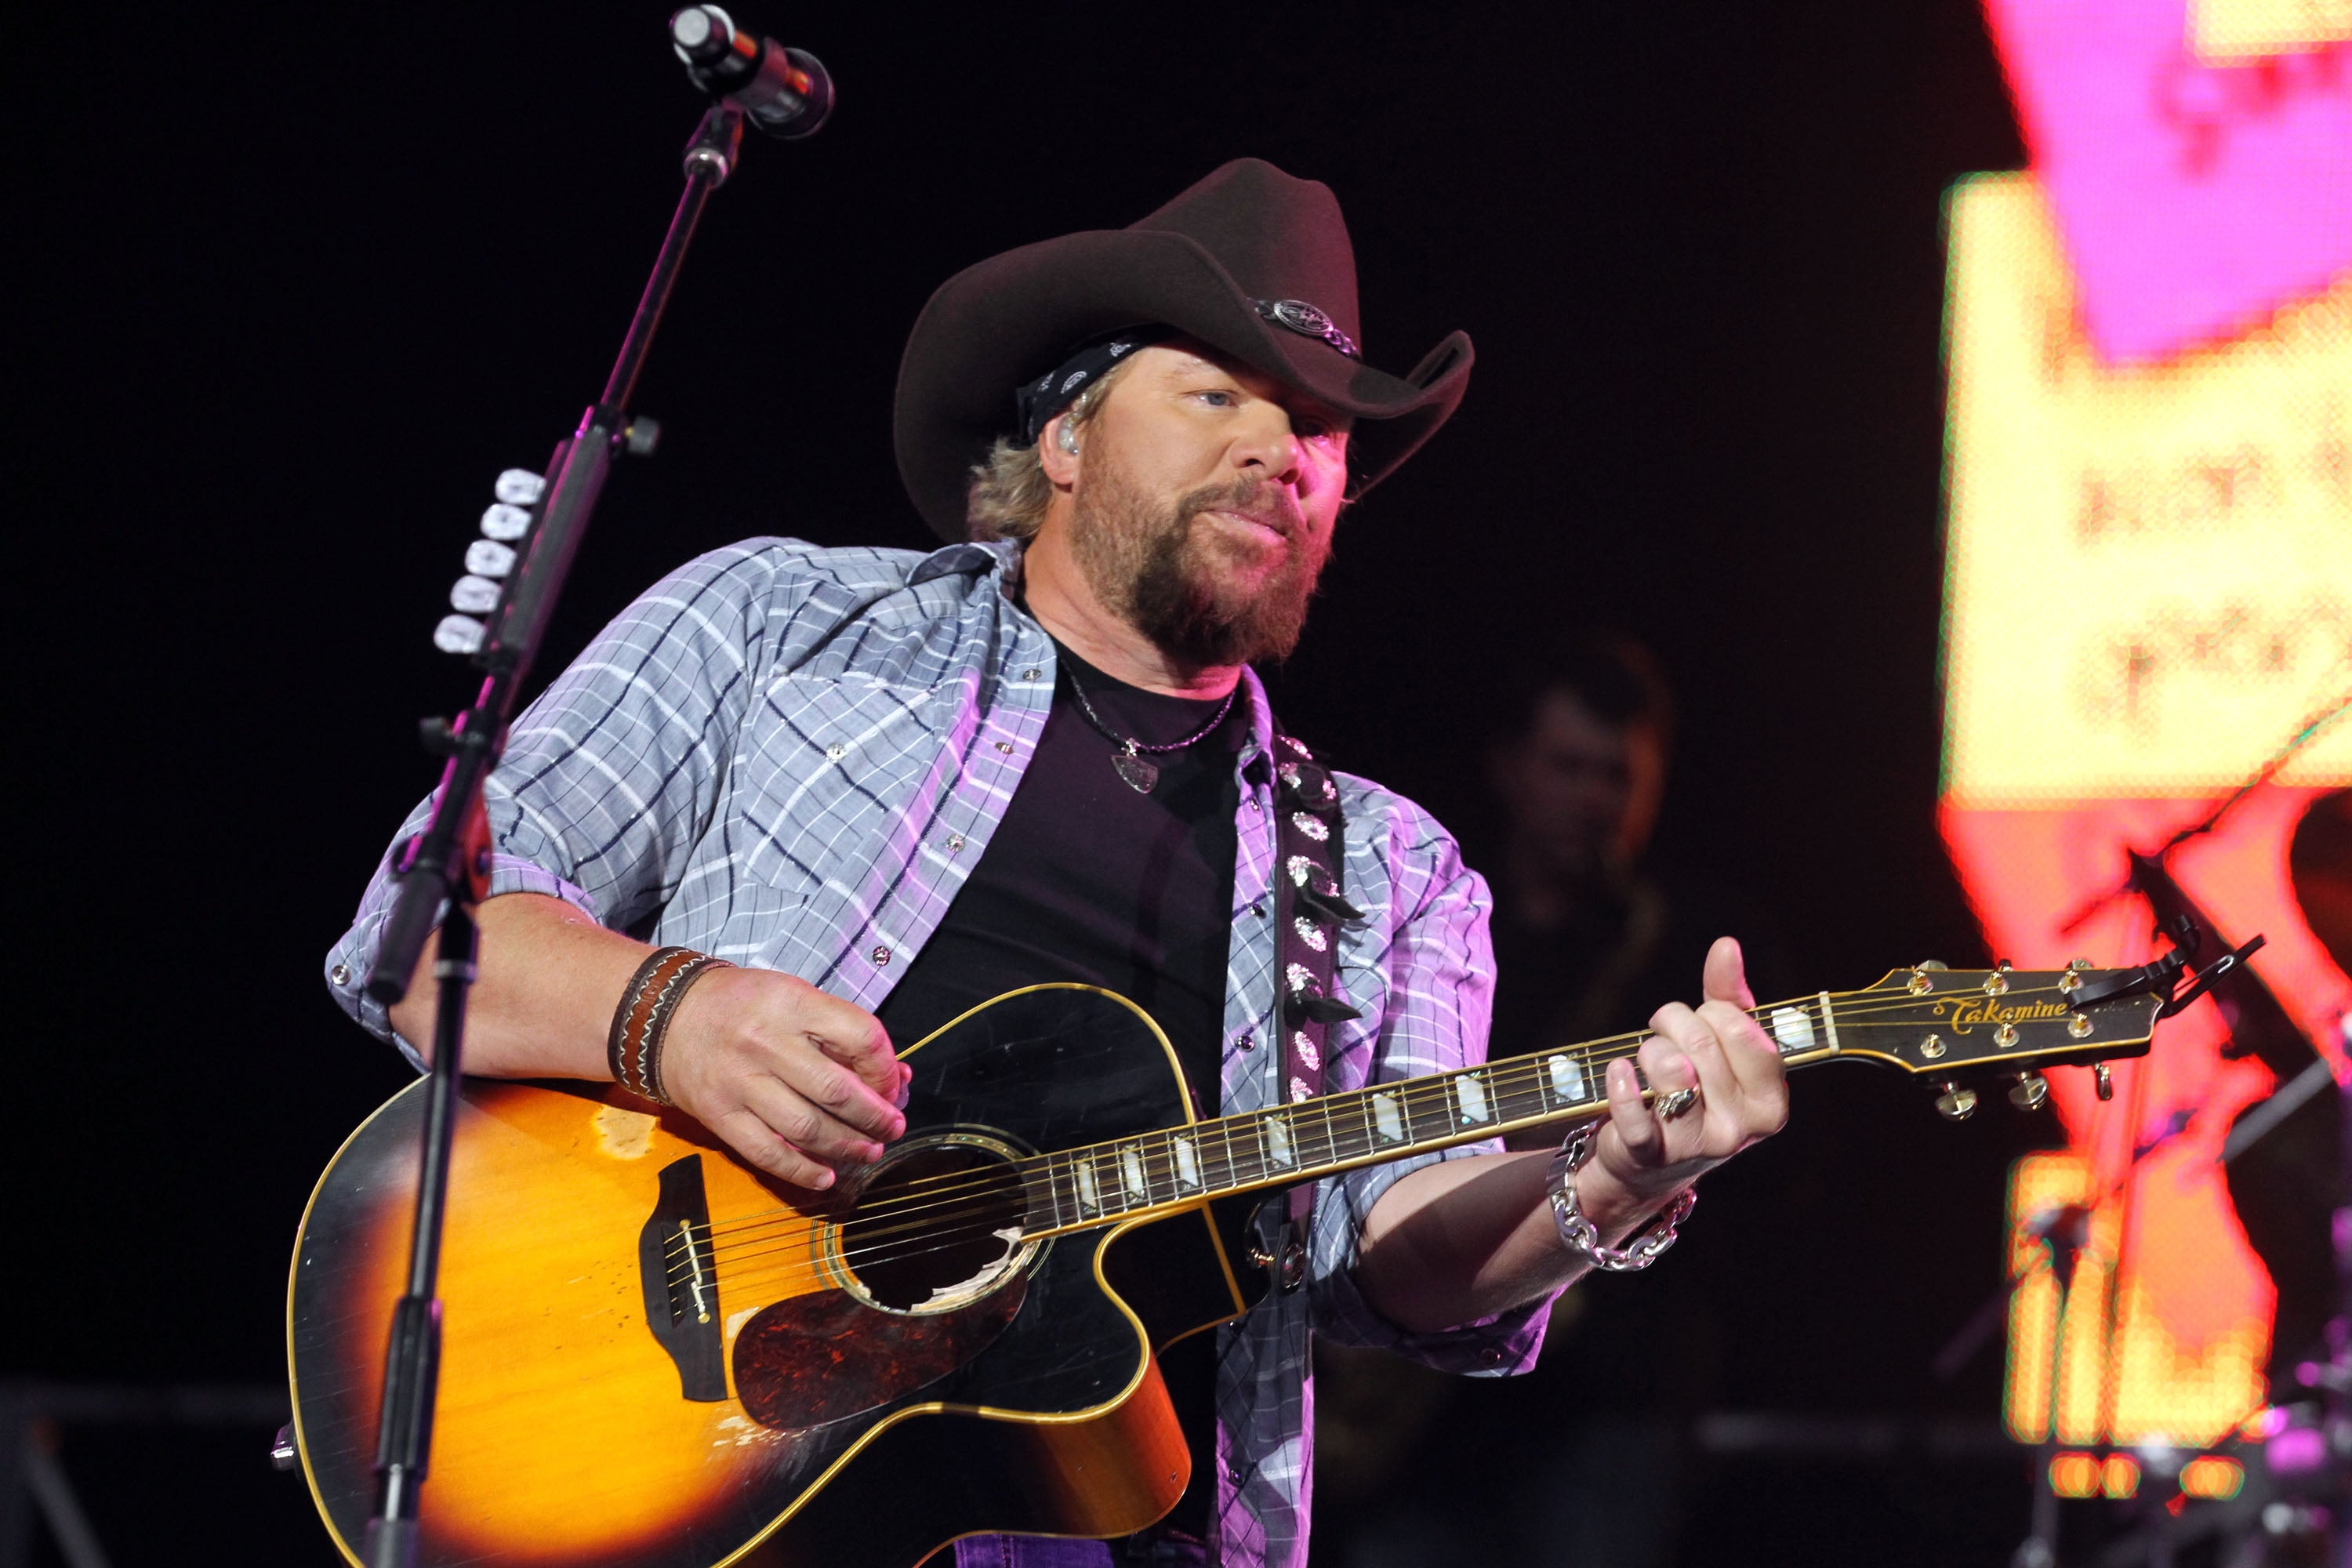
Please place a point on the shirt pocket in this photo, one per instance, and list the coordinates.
(827, 769)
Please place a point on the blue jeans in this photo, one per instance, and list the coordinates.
(1030, 1551)
(1047, 1552)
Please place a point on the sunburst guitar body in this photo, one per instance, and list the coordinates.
(655, 1357)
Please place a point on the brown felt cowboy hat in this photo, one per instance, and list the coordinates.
(1249, 260)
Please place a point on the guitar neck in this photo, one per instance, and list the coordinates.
(1078, 1189)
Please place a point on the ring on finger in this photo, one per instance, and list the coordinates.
(1673, 1105)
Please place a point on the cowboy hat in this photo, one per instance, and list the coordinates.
(1250, 261)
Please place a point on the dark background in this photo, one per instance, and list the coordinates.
(293, 292)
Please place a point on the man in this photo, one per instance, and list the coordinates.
(1579, 771)
(895, 784)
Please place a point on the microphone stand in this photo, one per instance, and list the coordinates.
(445, 871)
(2067, 1233)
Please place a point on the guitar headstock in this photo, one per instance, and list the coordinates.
(1939, 1023)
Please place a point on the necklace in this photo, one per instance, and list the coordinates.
(1139, 771)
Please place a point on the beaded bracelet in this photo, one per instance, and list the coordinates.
(633, 1050)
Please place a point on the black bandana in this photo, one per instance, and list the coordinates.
(1035, 403)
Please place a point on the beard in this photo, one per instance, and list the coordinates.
(1202, 594)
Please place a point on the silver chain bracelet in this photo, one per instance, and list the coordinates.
(1581, 1236)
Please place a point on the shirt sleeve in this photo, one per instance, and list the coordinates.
(1440, 982)
(611, 775)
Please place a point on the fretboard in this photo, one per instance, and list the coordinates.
(1077, 1189)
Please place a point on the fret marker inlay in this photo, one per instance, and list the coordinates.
(1089, 1198)
(1277, 1140)
(1130, 1166)
(1472, 1095)
(1188, 1165)
(1388, 1118)
(1792, 1029)
(1566, 1077)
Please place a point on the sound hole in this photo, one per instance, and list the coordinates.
(935, 1227)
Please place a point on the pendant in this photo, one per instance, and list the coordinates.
(1141, 772)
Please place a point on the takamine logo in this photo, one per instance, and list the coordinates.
(1967, 1013)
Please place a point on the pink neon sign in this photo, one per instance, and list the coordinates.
(2194, 198)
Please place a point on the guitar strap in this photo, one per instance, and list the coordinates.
(1308, 909)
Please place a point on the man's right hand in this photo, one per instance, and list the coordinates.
(802, 1084)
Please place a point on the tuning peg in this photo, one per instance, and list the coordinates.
(643, 435)
(505, 522)
(2103, 1081)
(1937, 964)
(2030, 1092)
(519, 487)
(1955, 1103)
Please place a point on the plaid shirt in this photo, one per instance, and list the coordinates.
(792, 757)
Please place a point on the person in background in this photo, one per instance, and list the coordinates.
(1576, 1467)
(1579, 771)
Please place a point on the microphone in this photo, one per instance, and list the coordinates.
(787, 92)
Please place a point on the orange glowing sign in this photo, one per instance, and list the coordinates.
(2149, 592)
(2088, 1474)
(2211, 1476)
(2074, 1475)
(2235, 30)
(2148, 583)
(2134, 1377)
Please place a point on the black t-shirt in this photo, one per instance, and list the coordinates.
(1088, 880)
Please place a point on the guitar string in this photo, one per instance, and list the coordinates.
(883, 1249)
(880, 1242)
(880, 1247)
(1509, 1075)
(941, 1191)
(1505, 1080)
(875, 1244)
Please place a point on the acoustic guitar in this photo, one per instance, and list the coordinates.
(656, 1357)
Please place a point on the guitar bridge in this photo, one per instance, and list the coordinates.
(680, 1285)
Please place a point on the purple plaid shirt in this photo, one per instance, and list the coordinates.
(790, 757)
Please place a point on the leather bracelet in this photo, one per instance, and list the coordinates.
(1581, 1236)
(633, 1050)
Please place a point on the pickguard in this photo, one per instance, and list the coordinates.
(810, 1360)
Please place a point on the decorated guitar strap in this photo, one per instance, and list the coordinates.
(1308, 909)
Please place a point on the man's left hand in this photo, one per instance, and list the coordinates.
(1640, 1159)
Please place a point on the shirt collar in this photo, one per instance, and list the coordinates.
(1261, 718)
(969, 559)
